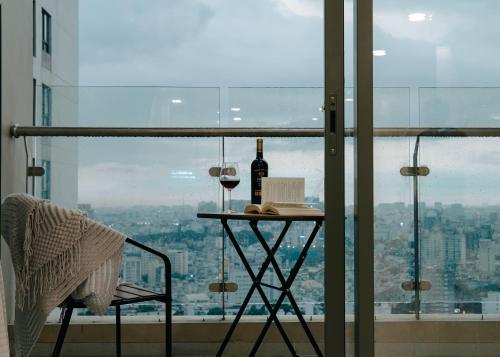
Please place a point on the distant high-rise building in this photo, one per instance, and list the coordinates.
(487, 256)
(443, 254)
(491, 303)
(149, 266)
(131, 268)
(179, 261)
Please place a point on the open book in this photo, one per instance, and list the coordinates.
(284, 209)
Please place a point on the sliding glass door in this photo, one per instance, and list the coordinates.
(411, 205)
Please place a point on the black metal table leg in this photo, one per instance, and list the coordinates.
(286, 284)
(252, 288)
(255, 285)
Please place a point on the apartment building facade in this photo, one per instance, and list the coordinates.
(41, 40)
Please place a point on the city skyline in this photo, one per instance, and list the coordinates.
(460, 250)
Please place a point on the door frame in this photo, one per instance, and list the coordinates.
(363, 179)
(334, 153)
(334, 99)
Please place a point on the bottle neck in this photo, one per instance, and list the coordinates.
(260, 149)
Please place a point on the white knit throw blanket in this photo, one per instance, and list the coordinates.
(56, 253)
(4, 337)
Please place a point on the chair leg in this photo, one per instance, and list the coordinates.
(168, 315)
(168, 331)
(118, 328)
(62, 331)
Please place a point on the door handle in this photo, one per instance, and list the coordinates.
(332, 123)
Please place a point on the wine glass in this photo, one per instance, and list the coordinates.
(229, 177)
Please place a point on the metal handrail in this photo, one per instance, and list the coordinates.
(20, 131)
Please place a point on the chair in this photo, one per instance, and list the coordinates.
(127, 294)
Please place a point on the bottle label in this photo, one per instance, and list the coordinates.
(260, 174)
(258, 182)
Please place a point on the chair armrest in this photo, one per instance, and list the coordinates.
(168, 291)
(159, 254)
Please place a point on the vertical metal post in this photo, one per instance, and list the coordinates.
(168, 307)
(334, 179)
(363, 178)
(416, 231)
(223, 245)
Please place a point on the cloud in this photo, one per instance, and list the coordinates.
(198, 43)
(127, 35)
(304, 8)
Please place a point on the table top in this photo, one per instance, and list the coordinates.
(261, 217)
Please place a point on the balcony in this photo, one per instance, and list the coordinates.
(150, 187)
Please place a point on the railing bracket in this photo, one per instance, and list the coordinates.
(414, 171)
(410, 286)
(219, 287)
(35, 171)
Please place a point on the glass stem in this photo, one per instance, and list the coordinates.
(229, 201)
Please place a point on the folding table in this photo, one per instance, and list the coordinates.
(257, 284)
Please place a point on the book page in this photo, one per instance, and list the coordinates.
(283, 189)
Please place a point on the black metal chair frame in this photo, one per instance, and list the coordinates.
(70, 304)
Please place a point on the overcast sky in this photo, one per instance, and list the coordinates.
(279, 43)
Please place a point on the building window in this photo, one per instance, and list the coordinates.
(34, 28)
(46, 105)
(33, 118)
(46, 32)
(45, 194)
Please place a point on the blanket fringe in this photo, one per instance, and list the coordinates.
(35, 284)
(32, 231)
(32, 284)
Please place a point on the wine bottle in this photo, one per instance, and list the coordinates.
(258, 171)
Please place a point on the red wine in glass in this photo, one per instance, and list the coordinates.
(229, 183)
(229, 177)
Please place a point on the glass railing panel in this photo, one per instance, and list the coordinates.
(164, 107)
(459, 209)
(59, 158)
(393, 227)
(300, 107)
(459, 107)
(272, 107)
(56, 106)
(391, 107)
(349, 233)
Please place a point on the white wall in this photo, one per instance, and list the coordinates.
(17, 87)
